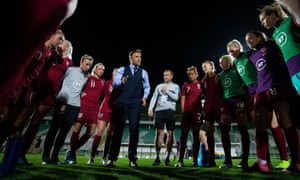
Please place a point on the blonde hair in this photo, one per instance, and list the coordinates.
(235, 43)
(211, 63)
(59, 31)
(86, 56)
(95, 67)
(69, 51)
(228, 58)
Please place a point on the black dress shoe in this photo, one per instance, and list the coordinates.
(23, 161)
(244, 166)
(55, 160)
(167, 162)
(210, 164)
(156, 162)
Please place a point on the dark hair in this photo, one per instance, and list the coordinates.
(260, 34)
(273, 8)
(169, 70)
(134, 51)
(192, 68)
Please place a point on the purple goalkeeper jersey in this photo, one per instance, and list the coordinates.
(271, 70)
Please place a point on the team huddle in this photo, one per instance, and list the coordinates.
(257, 85)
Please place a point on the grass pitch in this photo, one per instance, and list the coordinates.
(83, 171)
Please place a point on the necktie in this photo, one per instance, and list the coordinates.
(135, 69)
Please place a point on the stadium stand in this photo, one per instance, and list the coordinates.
(147, 136)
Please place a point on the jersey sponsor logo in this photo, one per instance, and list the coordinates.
(241, 69)
(281, 39)
(260, 64)
(227, 82)
(77, 84)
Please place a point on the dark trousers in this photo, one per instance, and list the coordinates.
(63, 119)
(190, 119)
(122, 112)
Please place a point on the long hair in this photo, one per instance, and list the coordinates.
(95, 67)
(273, 8)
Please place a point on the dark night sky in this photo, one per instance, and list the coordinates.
(171, 35)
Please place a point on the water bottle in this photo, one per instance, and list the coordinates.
(200, 155)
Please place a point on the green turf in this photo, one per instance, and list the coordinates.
(82, 171)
